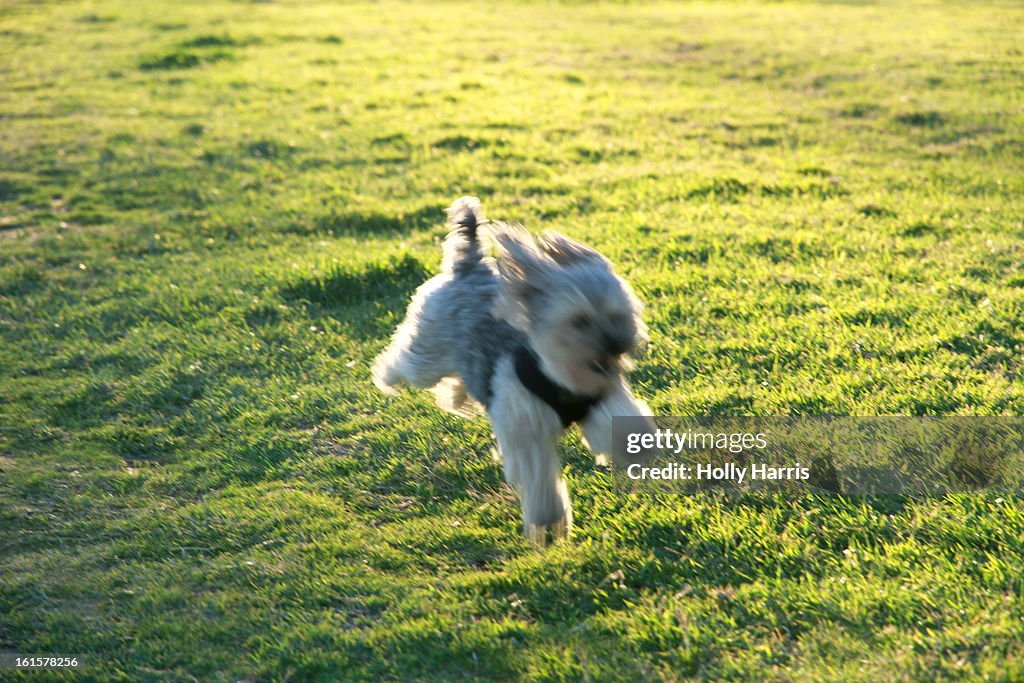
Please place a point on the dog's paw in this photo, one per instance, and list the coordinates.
(385, 374)
(543, 535)
(451, 395)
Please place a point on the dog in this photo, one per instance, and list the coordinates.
(538, 336)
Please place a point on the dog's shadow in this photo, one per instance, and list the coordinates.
(365, 299)
(360, 223)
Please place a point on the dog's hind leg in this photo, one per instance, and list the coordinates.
(451, 395)
(402, 362)
(419, 350)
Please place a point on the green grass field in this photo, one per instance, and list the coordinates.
(213, 214)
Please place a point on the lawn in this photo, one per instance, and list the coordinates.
(213, 213)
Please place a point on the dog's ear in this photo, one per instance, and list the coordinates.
(519, 263)
(565, 251)
(523, 272)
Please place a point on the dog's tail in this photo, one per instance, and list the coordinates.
(462, 248)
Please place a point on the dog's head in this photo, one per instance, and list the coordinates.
(581, 318)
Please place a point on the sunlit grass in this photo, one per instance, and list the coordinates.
(212, 215)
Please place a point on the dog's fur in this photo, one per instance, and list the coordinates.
(464, 327)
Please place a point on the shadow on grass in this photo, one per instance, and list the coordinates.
(182, 59)
(354, 223)
(733, 190)
(363, 299)
(921, 119)
(342, 287)
(462, 143)
(222, 40)
(12, 188)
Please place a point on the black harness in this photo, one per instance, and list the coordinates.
(570, 407)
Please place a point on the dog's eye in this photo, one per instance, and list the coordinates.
(581, 322)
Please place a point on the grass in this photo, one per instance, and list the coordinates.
(212, 214)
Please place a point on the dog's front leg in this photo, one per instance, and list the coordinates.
(597, 426)
(527, 434)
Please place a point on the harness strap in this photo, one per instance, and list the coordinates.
(571, 407)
